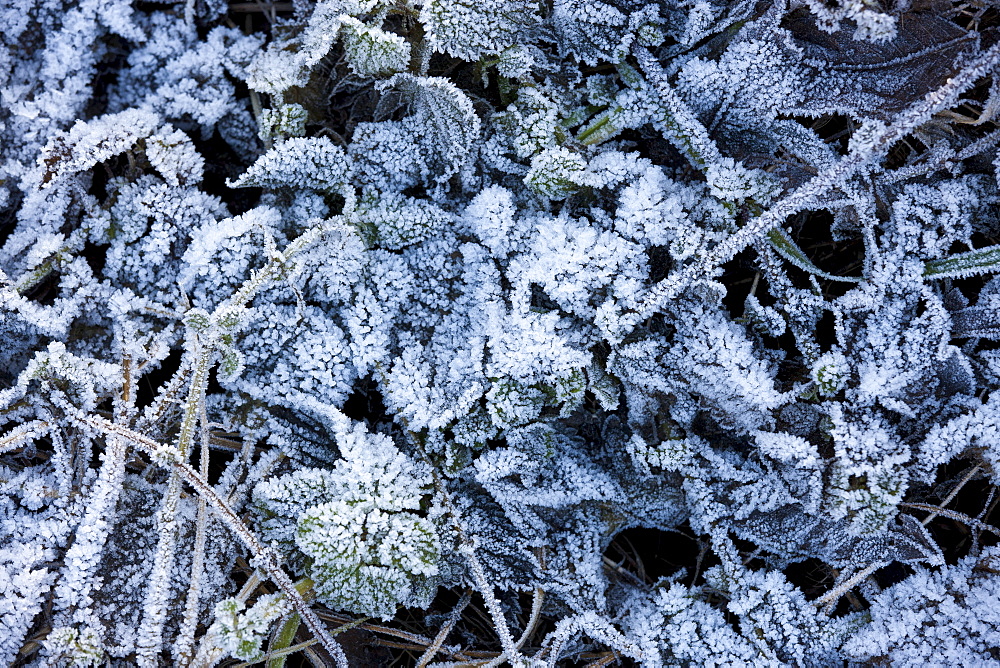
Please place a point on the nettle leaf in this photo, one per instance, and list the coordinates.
(556, 173)
(396, 221)
(174, 156)
(89, 143)
(449, 124)
(288, 61)
(471, 29)
(299, 162)
(865, 80)
(981, 320)
(239, 632)
(596, 31)
(372, 51)
(286, 120)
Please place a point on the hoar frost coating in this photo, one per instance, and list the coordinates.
(511, 229)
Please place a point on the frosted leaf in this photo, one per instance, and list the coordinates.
(88, 143)
(26, 580)
(511, 403)
(287, 120)
(630, 109)
(384, 156)
(596, 31)
(577, 264)
(531, 348)
(240, 633)
(184, 79)
(700, 20)
(431, 388)
(333, 266)
(735, 381)
(299, 162)
(531, 123)
(542, 478)
(63, 375)
(830, 373)
(222, 253)
(238, 130)
(375, 472)
(655, 210)
(371, 320)
(474, 430)
(287, 357)
(288, 62)
(752, 82)
(75, 647)
(963, 265)
(173, 155)
(675, 625)
(731, 181)
(605, 388)
(556, 173)
(372, 51)
(364, 559)
(491, 215)
(471, 30)
(771, 608)
(368, 550)
(946, 615)
(789, 449)
(279, 501)
(515, 62)
(866, 483)
(274, 70)
(864, 80)
(971, 430)
(396, 221)
(148, 230)
(445, 120)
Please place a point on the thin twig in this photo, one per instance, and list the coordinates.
(538, 598)
(376, 628)
(510, 652)
(880, 141)
(953, 515)
(991, 502)
(20, 434)
(828, 600)
(185, 637)
(266, 557)
(968, 476)
(603, 661)
(446, 628)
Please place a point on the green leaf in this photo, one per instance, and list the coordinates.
(283, 640)
(783, 243)
(602, 127)
(963, 265)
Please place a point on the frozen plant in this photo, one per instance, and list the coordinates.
(469, 316)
